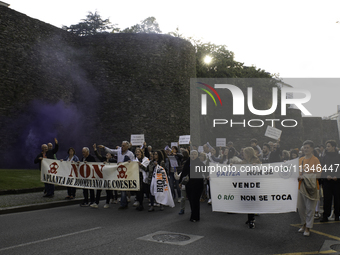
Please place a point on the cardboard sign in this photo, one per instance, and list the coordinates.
(273, 133)
(221, 142)
(174, 144)
(173, 161)
(137, 140)
(184, 139)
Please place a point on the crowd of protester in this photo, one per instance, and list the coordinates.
(197, 190)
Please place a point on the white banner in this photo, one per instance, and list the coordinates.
(273, 133)
(124, 176)
(137, 140)
(160, 187)
(262, 188)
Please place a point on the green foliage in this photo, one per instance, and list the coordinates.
(149, 26)
(93, 24)
(19, 179)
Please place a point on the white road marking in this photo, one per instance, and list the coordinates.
(48, 239)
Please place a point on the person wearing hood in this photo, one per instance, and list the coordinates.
(330, 180)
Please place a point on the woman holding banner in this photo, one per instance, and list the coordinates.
(194, 187)
(308, 196)
(157, 160)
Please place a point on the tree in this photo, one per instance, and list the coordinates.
(176, 33)
(93, 24)
(149, 25)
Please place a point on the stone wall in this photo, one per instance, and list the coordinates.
(85, 90)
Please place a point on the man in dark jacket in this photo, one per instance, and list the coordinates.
(275, 153)
(46, 153)
(330, 180)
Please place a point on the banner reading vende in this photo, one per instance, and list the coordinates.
(263, 188)
(124, 176)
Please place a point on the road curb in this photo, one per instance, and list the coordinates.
(23, 191)
(32, 207)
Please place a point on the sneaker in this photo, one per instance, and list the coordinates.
(302, 229)
(162, 208)
(209, 201)
(135, 204)
(251, 224)
(106, 206)
(128, 199)
(115, 201)
(111, 201)
(181, 212)
(179, 200)
(151, 209)
(84, 204)
(316, 216)
(94, 205)
(306, 233)
(156, 205)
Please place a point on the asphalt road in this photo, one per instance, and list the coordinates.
(78, 230)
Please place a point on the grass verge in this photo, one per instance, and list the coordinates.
(20, 179)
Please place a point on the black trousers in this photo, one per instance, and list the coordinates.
(92, 197)
(194, 190)
(140, 193)
(251, 216)
(331, 189)
(109, 195)
(71, 191)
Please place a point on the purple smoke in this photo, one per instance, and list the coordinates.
(42, 123)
